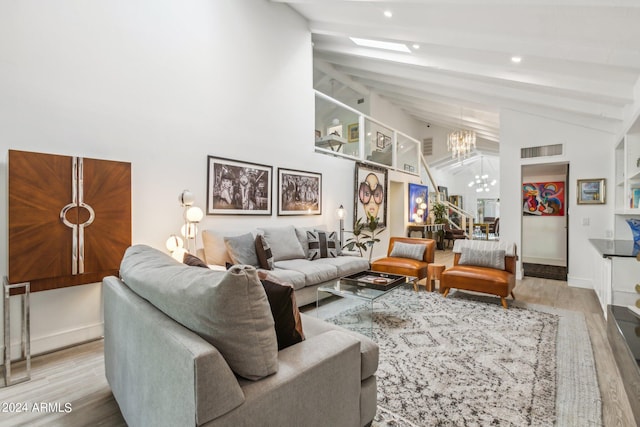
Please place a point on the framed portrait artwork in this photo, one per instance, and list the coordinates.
(238, 188)
(370, 193)
(418, 203)
(299, 192)
(591, 191)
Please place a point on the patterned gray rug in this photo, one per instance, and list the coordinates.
(465, 361)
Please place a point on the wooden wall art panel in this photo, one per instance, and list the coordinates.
(69, 219)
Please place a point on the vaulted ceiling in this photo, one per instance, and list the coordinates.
(580, 59)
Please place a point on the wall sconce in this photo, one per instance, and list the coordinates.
(192, 216)
(341, 217)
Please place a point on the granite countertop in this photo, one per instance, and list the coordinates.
(618, 248)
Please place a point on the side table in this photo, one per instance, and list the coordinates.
(434, 271)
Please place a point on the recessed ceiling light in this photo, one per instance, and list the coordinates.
(388, 13)
(416, 46)
(516, 59)
(398, 47)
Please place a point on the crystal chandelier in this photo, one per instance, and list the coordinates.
(460, 142)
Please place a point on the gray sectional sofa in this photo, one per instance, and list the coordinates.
(192, 346)
(290, 249)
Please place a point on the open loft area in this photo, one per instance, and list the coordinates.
(252, 212)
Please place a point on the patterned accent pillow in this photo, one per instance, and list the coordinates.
(263, 251)
(322, 244)
(193, 261)
(408, 250)
(492, 258)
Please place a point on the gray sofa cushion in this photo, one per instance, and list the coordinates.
(369, 350)
(228, 309)
(314, 272)
(346, 265)
(283, 242)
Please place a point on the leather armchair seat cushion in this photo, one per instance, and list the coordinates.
(404, 266)
(479, 279)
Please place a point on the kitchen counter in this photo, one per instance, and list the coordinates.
(616, 248)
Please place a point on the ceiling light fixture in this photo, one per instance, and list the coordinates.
(416, 46)
(388, 13)
(398, 47)
(516, 59)
(482, 181)
(459, 142)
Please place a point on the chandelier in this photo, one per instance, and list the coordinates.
(460, 142)
(482, 181)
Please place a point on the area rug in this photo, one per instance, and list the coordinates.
(465, 361)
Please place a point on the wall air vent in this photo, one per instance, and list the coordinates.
(541, 151)
(427, 146)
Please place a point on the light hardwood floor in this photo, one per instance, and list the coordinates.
(76, 375)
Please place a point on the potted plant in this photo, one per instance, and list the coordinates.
(364, 235)
(439, 217)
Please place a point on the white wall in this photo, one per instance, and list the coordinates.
(589, 154)
(160, 84)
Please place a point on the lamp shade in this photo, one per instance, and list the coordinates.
(174, 242)
(194, 214)
(186, 198)
(341, 212)
(189, 231)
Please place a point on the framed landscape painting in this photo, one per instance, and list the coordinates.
(299, 192)
(238, 188)
(591, 191)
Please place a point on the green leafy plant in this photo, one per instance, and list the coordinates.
(364, 235)
(439, 213)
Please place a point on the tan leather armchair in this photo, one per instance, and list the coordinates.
(481, 279)
(406, 266)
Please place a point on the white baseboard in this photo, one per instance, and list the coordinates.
(57, 341)
(579, 282)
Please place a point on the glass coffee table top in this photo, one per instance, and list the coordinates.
(349, 288)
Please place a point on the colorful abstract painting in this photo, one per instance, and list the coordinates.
(418, 203)
(543, 198)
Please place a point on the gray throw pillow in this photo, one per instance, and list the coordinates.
(408, 250)
(242, 249)
(283, 242)
(228, 309)
(322, 244)
(492, 258)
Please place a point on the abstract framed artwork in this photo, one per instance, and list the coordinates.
(238, 188)
(299, 192)
(591, 191)
(543, 198)
(370, 193)
(418, 203)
